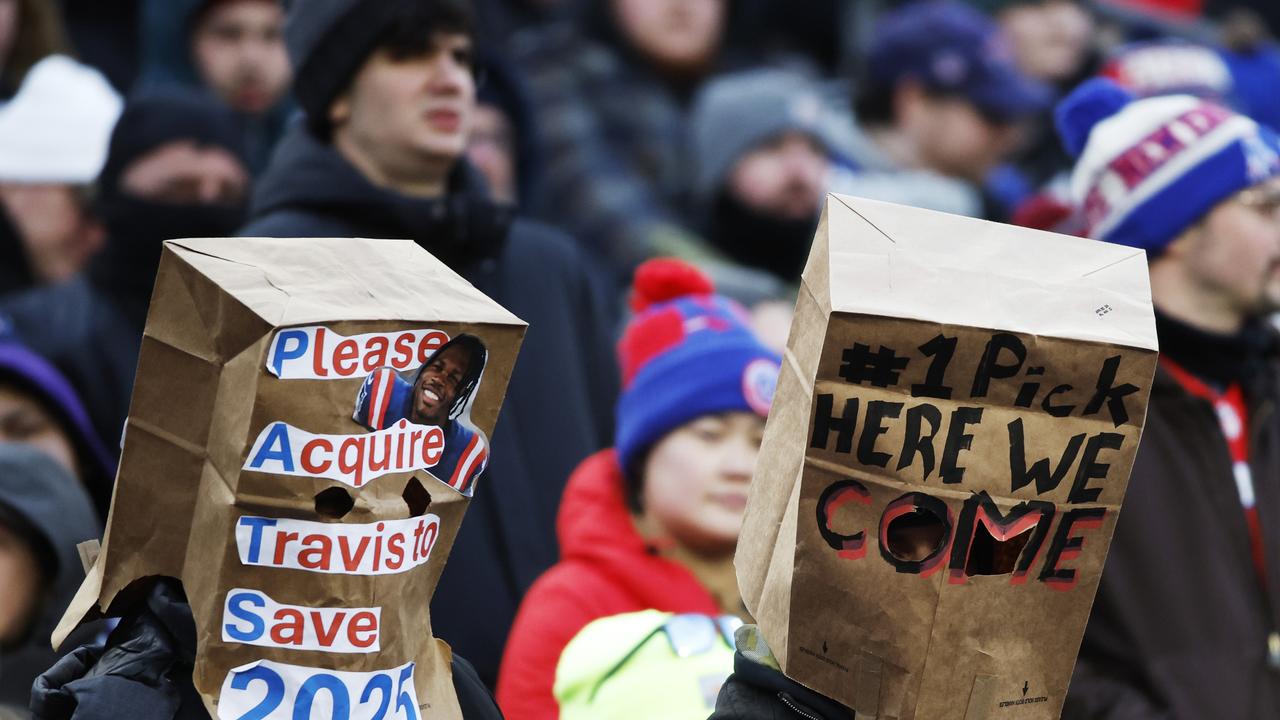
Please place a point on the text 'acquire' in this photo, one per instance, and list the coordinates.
(353, 460)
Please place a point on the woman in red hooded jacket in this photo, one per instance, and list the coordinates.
(653, 522)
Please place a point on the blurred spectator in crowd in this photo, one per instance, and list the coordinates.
(1265, 13)
(816, 33)
(105, 35)
(654, 521)
(1243, 75)
(765, 153)
(238, 48)
(389, 98)
(1171, 67)
(233, 48)
(1183, 624)
(38, 407)
(1051, 39)
(44, 514)
(610, 669)
(30, 30)
(53, 142)
(612, 95)
(502, 145)
(938, 108)
(1251, 52)
(174, 169)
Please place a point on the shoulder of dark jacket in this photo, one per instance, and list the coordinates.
(474, 698)
(755, 692)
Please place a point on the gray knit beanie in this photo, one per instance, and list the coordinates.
(735, 113)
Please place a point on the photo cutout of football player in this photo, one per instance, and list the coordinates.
(440, 394)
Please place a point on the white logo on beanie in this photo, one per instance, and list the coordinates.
(759, 382)
(1260, 159)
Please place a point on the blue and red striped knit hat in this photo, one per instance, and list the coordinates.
(687, 353)
(1148, 169)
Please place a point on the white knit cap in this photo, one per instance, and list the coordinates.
(57, 127)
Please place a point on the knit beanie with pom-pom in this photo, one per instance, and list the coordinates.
(687, 353)
(1149, 169)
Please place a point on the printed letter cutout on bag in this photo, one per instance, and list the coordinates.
(309, 422)
(945, 460)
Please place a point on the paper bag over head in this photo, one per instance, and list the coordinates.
(948, 449)
(309, 421)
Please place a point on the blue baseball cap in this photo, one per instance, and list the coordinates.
(949, 47)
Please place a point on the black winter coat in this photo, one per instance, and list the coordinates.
(559, 404)
(1180, 625)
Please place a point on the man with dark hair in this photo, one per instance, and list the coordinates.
(438, 396)
(1186, 624)
(389, 96)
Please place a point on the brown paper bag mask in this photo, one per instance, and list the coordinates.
(945, 460)
(309, 421)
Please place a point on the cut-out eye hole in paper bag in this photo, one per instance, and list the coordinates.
(309, 421)
(945, 461)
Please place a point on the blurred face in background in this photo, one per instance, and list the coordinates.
(680, 35)
(1050, 39)
(183, 173)
(696, 480)
(24, 420)
(22, 581)
(952, 136)
(239, 51)
(58, 232)
(1231, 259)
(784, 178)
(406, 118)
(492, 150)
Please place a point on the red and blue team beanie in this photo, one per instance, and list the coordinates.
(687, 353)
(1148, 169)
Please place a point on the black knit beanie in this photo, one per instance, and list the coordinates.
(328, 41)
(158, 115)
